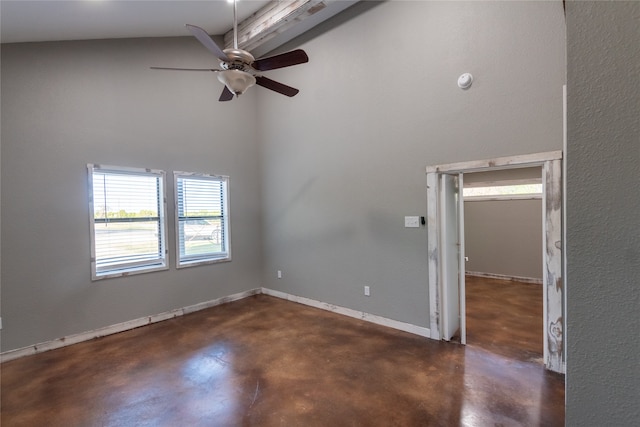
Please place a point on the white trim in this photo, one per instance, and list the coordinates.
(129, 268)
(552, 275)
(537, 159)
(433, 255)
(462, 263)
(553, 284)
(505, 277)
(143, 321)
(564, 219)
(504, 198)
(128, 271)
(120, 327)
(373, 318)
(208, 258)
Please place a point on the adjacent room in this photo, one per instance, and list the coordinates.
(240, 237)
(503, 235)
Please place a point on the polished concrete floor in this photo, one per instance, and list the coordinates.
(505, 317)
(263, 361)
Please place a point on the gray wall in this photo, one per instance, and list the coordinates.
(336, 168)
(379, 102)
(341, 166)
(71, 103)
(603, 237)
(504, 237)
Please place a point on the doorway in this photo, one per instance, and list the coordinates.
(447, 247)
(503, 253)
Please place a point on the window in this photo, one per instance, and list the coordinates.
(503, 190)
(127, 219)
(202, 212)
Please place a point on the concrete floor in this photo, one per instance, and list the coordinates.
(505, 317)
(263, 361)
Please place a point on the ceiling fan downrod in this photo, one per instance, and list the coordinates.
(239, 69)
(235, 24)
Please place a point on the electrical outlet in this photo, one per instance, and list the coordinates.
(279, 274)
(0, 322)
(367, 291)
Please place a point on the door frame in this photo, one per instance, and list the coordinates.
(553, 286)
(451, 262)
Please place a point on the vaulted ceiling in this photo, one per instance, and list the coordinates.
(263, 24)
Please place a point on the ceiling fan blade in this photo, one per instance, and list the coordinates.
(207, 41)
(287, 59)
(184, 69)
(226, 95)
(276, 86)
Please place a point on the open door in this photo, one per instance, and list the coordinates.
(451, 216)
(445, 214)
(462, 260)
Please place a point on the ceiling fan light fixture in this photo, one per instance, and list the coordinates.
(236, 80)
(239, 69)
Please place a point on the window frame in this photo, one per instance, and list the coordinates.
(504, 183)
(207, 258)
(134, 267)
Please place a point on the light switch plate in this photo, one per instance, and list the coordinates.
(412, 221)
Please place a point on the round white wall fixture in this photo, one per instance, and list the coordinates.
(464, 81)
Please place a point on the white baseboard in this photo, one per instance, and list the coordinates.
(120, 327)
(143, 321)
(378, 320)
(505, 277)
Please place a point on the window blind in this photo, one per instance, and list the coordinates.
(127, 220)
(202, 233)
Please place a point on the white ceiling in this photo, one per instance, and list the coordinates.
(48, 20)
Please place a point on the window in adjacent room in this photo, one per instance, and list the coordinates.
(202, 219)
(503, 190)
(127, 219)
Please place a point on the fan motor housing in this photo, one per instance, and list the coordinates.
(238, 59)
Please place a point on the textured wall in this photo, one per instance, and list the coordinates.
(345, 162)
(71, 103)
(603, 236)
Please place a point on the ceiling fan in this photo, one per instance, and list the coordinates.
(239, 69)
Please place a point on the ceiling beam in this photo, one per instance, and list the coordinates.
(279, 17)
